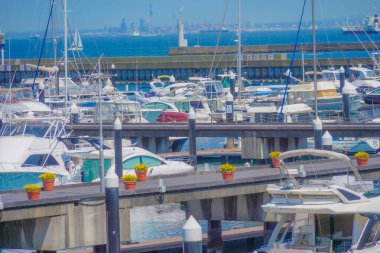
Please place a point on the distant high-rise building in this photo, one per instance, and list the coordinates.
(144, 25)
(123, 26)
(134, 27)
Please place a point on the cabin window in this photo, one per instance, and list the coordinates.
(147, 160)
(348, 195)
(150, 161)
(337, 228)
(374, 235)
(130, 163)
(40, 160)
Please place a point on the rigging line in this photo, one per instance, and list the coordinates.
(224, 53)
(327, 36)
(367, 51)
(280, 116)
(219, 35)
(43, 44)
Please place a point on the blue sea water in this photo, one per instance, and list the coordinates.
(124, 46)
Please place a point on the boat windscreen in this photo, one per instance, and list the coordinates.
(372, 194)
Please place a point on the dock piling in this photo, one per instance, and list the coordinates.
(74, 116)
(192, 236)
(317, 133)
(346, 103)
(41, 93)
(112, 210)
(192, 139)
(327, 141)
(232, 84)
(341, 79)
(118, 147)
(229, 108)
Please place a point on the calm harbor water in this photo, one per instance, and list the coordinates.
(163, 221)
(123, 46)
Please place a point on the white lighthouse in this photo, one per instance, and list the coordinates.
(182, 42)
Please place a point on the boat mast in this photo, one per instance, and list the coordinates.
(239, 52)
(65, 50)
(314, 59)
(101, 152)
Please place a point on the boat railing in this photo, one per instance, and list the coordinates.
(319, 153)
(20, 167)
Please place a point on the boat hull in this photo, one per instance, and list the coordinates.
(17, 180)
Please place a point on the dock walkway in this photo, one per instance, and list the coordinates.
(188, 186)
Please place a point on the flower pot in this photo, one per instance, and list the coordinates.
(362, 161)
(228, 175)
(33, 195)
(141, 175)
(48, 184)
(129, 185)
(275, 163)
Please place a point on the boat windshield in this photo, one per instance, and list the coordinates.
(372, 194)
(38, 129)
(370, 73)
(330, 76)
(15, 94)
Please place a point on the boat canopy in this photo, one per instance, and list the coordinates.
(314, 152)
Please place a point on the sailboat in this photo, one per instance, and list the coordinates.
(77, 43)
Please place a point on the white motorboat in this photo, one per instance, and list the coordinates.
(89, 163)
(336, 215)
(364, 78)
(28, 148)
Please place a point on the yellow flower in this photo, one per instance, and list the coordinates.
(129, 177)
(32, 187)
(274, 154)
(227, 167)
(361, 155)
(141, 167)
(47, 175)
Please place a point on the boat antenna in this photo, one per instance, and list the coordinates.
(288, 76)
(239, 52)
(101, 151)
(314, 58)
(65, 51)
(43, 45)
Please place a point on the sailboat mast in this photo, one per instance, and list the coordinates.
(65, 50)
(101, 152)
(314, 59)
(239, 52)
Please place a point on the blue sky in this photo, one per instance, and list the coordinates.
(31, 15)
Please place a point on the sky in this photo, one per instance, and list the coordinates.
(32, 15)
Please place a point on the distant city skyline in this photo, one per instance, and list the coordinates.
(32, 15)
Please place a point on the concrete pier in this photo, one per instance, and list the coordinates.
(77, 212)
(259, 62)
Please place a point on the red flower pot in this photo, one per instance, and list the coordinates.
(362, 161)
(141, 175)
(228, 175)
(129, 185)
(275, 163)
(34, 195)
(48, 184)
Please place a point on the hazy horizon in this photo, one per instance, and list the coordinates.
(32, 15)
